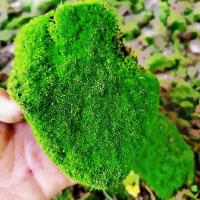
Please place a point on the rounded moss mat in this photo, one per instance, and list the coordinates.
(86, 99)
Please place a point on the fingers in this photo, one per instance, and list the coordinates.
(34, 164)
(42, 168)
(5, 136)
(25, 171)
(15, 180)
(9, 111)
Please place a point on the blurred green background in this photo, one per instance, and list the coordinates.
(164, 35)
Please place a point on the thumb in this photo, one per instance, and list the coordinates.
(9, 111)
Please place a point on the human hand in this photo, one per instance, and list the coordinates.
(25, 172)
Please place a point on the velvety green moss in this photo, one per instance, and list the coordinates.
(160, 62)
(166, 162)
(88, 102)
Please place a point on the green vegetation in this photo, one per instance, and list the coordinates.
(93, 109)
(89, 103)
(183, 92)
(167, 161)
(18, 22)
(160, 62)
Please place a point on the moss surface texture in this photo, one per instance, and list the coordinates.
(89, 103)
(166, 162)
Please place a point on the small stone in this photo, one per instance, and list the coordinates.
(195, 46)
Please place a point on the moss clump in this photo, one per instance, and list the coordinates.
(88, 102)
(166, 162)
(160, 62)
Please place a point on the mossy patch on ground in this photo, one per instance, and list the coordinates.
(166, 162)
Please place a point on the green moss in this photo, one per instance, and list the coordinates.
(118, 191)
(88, 102)
(16, 23)
(160, 62)
(176, 21)
(166, 162)
(163, 11)
(183, 91)
(65, 195)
